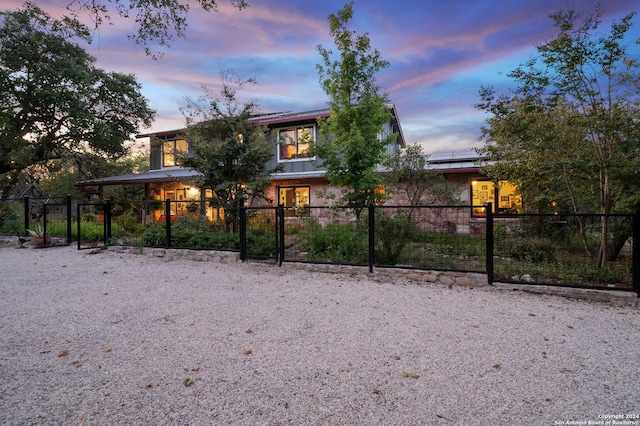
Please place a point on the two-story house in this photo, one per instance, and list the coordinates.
(301, 179)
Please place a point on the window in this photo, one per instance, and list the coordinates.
(294, 142)
(294, 199)
(502, 195)
(170, 149)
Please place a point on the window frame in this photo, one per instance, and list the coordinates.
(295, 209)
(490, 194)
(296, 156)
(166, 154)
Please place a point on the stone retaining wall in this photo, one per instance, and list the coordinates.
(448, 278)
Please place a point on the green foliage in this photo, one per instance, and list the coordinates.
(190, 232)
(536, 250)
(407, 175)
(227, 149)
(155, 235)
(392, 234)
(577, 103)
(11, 218)
(335, 242)
(156, 22)
(55, 103)
(350, 145)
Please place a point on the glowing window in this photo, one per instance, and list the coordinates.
(170, 149)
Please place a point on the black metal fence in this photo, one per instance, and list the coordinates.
(578, 249)
(44, 222)
(588, 250)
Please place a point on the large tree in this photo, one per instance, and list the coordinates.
(229, 150)
(351, 146)
(156, 21)
(569, 131)
(55, 104)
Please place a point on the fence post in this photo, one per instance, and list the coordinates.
(69, 221)
(635, 253)
(167, 222)
(78, 226)
(243, 229)
(489, 238)
(372, 236)
(280, 217)
(44, 222)
(26, 214)
(107, 221)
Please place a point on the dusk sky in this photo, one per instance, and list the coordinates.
(441, 53)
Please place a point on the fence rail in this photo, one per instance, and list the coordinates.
(584, 250)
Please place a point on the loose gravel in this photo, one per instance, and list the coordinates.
(112, 338)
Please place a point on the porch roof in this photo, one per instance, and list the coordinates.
(164, 175)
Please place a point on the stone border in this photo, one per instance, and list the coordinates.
(448, 278)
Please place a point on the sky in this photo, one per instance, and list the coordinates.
(441, 53)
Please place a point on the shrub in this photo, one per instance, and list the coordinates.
(531, 250)
(392, 233)
(336, 242)
(10, 221)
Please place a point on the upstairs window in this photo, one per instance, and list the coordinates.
(170, 149)
(294, 142)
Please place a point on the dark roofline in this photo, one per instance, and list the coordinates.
(278, 118)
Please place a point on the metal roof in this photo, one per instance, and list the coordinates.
(163, 175)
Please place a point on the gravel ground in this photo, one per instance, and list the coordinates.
(112, 338)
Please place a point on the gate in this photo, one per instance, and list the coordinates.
(92, 225)
(48, 222)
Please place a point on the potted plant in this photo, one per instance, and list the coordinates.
(39, 238)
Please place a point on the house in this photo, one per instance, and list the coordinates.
(463, 170)
(301, 179)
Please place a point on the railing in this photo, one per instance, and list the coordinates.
(588, 250)
(45, 222)
(580, 250)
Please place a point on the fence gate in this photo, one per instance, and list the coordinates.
(47, 222)
(92, 223)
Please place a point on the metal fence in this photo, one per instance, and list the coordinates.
(43, 222)
(588, 250)
(585, 250)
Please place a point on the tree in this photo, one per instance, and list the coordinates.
(570, 128)
(226, 148)
(157, 21)
(55, 104)
(407, 175)
(61, 176)
(350, 146)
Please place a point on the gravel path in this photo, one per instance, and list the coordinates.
(112, 338)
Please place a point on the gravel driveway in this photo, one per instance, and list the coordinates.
(111, 338)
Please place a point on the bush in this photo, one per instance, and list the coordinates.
(336, 242)
(531, 250)
(10, 221)
(392, 233)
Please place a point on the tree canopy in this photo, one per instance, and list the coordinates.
(156, 21)
(569, 131)
(229, 150)
(408, 176)
(55, 104)
(351, 146)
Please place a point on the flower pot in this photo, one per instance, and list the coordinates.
(39, 241)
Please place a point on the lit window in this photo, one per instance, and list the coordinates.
(294, 142)
(294, 199)
(503, 197)
(170, 149)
